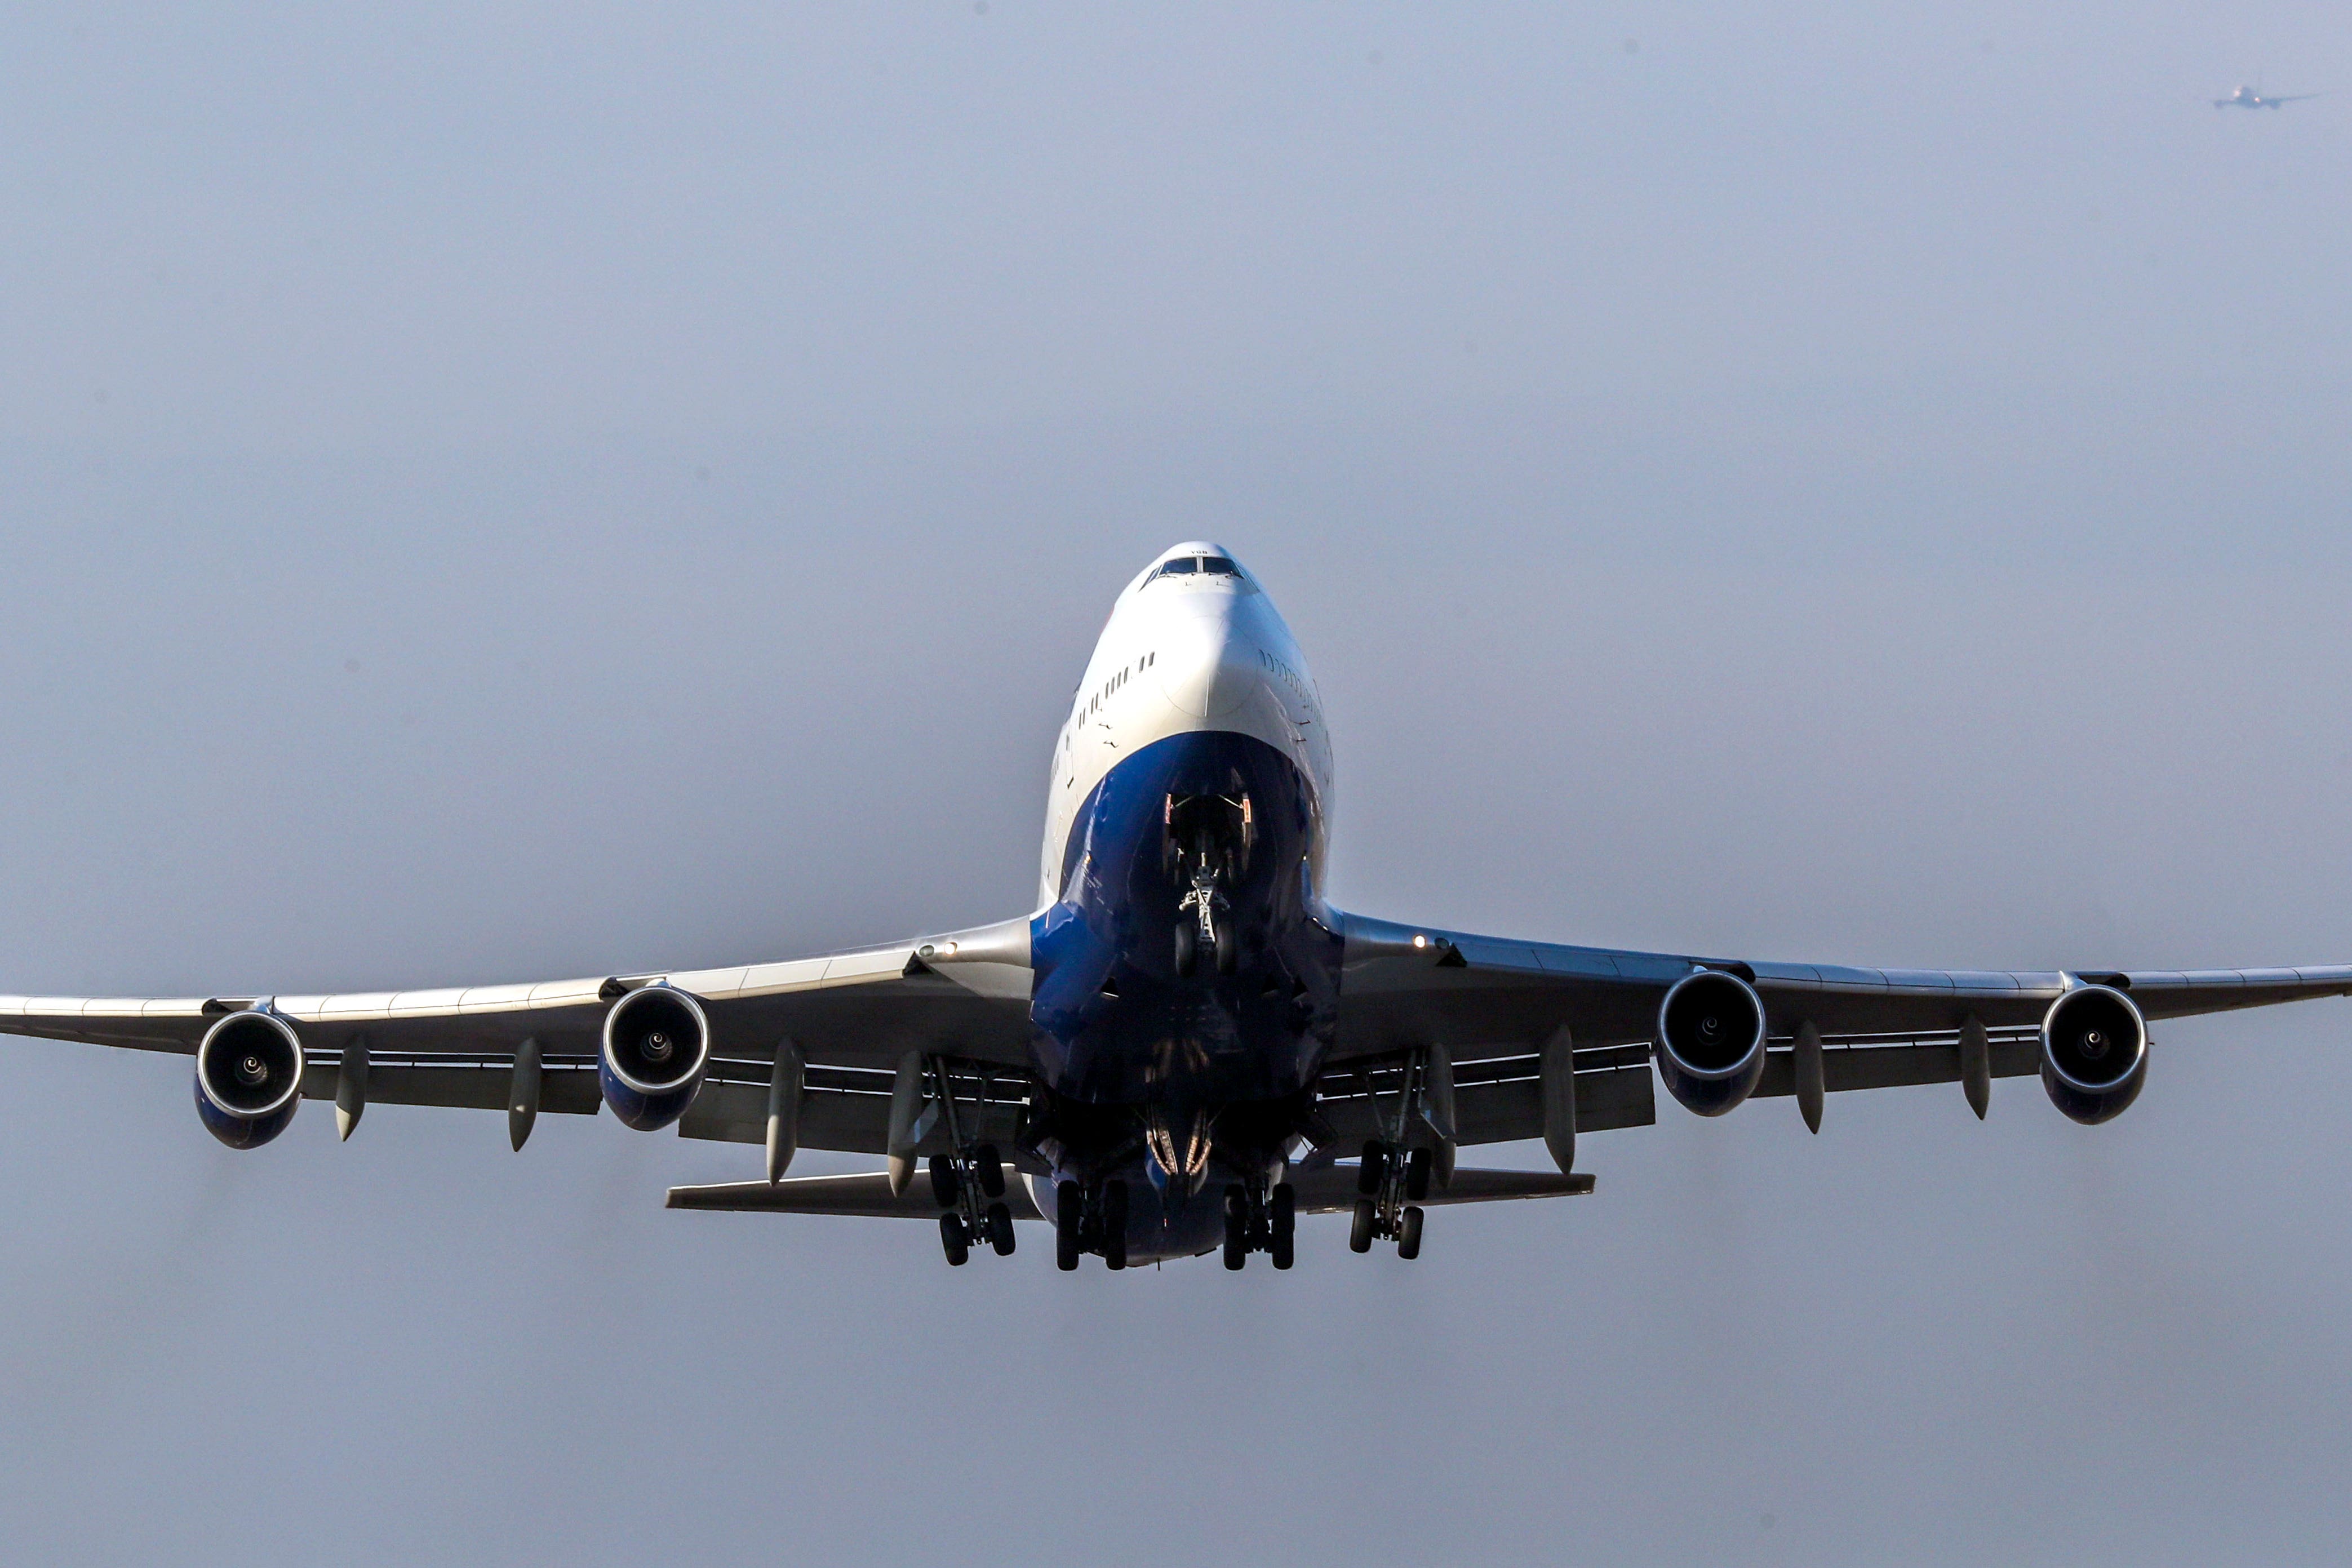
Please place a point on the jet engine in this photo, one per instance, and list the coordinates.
(1711, 1041)
(249, 1078)
(657, 1044)
(2093, 1053)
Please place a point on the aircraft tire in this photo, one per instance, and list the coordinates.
(991, 1169)
(951, 1238)
(1373, 1171)
(1188, 949)
(1114, 1207)
(1000, 1228)
(1409, 1241)
(945, 1188)
(1069, 1203)
(1417, 1175)
(1359, 1234)
(1282, 1244)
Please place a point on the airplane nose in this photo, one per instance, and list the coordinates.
(1206, 667)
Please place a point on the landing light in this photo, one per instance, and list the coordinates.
(1421, 941)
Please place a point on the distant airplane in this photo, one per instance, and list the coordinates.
(2252, 97)
(1171, 1053)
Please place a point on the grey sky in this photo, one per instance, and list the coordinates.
(514, 491)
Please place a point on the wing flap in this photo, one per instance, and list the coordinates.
(1332, 1189)
(862, 1197)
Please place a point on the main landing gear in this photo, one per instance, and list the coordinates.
(1388, 1190)
(1089, 1222)
(1259, 1221)
(970, 1192)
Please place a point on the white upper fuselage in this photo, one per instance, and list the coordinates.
(1184, 651)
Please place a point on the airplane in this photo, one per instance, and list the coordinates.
(1184, 1046)
(2252, 97)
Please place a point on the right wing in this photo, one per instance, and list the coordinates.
(853, 1016)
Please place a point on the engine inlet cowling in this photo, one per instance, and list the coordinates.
(249, 1078)
(2093, 1053)
(1711, 1041)
(657, 1044)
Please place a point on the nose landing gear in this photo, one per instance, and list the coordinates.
(1260, 1220)
(1205, 840)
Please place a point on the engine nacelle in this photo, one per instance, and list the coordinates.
(2093, 1053)
(1711, 1041)
(249, 1078)
(657, 1044)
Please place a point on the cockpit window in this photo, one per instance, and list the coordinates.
(1187, 565)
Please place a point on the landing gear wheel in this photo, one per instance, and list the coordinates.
(1229, 947)
(1069, 1213)
(1000, 1228)
(1417, 1175)
(945, 1187)
(1283, 1217)
(1236, 1227)
(1114, 1218)
(952, 1237)
(1359, 1235)
(1373, 1171)
(1409, 1237)
(989, 1166)
(1187, 952)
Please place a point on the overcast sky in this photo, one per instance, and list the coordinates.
(500, 492)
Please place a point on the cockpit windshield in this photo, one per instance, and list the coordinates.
(1189, 565)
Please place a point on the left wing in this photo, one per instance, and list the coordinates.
(851, 1016)
(1492, 1005)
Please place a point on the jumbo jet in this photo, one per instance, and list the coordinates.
(2252, 97)
(1184, 1046)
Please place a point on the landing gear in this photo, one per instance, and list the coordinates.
(1400, 1163)
(1205, 843)
(1084, 1224)
(1114, 1225)
(1258, 1220)
(968, 1187)
(1391, 1184)
(1069, 1216)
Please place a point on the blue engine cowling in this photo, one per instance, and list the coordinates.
(657, 1044)
(1711, 1041)
(2093, 1053)
(249, 1078)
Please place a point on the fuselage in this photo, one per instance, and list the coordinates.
(1186, 973)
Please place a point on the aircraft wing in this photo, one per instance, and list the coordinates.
(1494, 1004)
(851, 1015)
